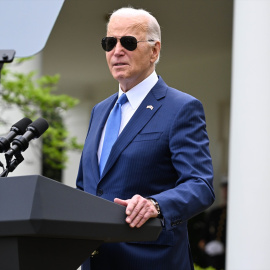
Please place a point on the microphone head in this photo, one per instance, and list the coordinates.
(38, 127)
(21, 125)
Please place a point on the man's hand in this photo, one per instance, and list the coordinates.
(138, 210)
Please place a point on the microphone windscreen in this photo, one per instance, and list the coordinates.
(38, 127)
(21, 125)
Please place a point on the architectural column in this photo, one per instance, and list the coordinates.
(249, 163)
(77, 121)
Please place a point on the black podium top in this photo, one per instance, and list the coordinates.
(38, 206)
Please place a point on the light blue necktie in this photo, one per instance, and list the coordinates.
(112, 131)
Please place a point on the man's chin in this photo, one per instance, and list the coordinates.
(120, 76)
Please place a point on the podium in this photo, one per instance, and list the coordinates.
(47, 225)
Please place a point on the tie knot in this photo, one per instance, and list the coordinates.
(123, 99)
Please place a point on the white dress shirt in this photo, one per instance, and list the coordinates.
(135, 97)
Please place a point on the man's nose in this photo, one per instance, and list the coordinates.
(118, 47)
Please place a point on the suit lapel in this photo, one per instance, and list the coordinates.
(141, 117)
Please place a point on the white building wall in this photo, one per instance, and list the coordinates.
(77, 121)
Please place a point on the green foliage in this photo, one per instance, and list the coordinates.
(35, 98)
(196, 267)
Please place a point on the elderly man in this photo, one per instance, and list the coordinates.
(146, 149)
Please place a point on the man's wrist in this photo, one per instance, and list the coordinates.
(156, 205)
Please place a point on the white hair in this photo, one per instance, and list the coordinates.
(153, 32)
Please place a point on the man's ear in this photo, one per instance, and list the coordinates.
(155, 51)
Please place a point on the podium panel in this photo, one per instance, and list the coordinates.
(41, 253)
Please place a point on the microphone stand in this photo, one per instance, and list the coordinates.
(11, 165)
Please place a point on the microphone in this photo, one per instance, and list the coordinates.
(33, 131)
(17, 129)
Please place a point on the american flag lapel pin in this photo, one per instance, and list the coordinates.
(150, 107)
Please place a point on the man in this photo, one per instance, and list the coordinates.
(160, 165)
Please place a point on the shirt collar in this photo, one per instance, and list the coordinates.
(137, 94)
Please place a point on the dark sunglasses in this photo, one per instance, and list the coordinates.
(128, 42)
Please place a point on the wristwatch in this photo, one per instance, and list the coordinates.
(155, 203)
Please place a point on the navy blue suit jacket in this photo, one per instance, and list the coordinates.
(161, 153)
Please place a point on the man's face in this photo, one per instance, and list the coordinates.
(130, 67)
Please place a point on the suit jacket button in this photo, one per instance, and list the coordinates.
(99, 192)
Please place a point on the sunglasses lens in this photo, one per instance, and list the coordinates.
(129, 43)
(108, 43)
